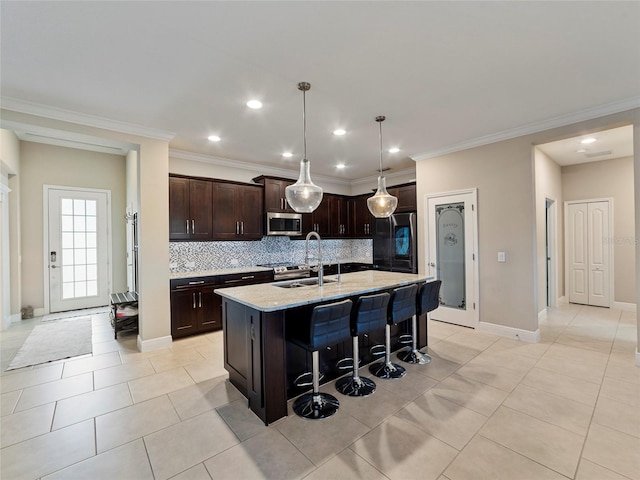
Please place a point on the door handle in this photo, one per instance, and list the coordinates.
(432, 264)
(193, 226)
(237, 228)
(187, 227)
(194, 299)
(54, 266)
(200, 299)
(241, 228)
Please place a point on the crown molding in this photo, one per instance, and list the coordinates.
(39, 110)
(555, 122)
(387, 175)
(253, 167)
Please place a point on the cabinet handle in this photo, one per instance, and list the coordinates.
(196, 283)
(187, 227)
(237, 228)
(193, 226)
(194, 299)
(248, 277)
(241, 228)
(200, 299)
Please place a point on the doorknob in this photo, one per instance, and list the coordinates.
(432, 264)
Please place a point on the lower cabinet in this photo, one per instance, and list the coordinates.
(195, 308)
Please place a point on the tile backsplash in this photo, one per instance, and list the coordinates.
(187, 256)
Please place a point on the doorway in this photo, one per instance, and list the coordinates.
(589, 254)
(77, 252)
(451, 255)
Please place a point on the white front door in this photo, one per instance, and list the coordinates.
(78, 248)
(588, 253)
(451, 255)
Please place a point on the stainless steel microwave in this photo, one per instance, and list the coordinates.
(284, 223)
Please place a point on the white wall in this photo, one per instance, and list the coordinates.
(548, 184)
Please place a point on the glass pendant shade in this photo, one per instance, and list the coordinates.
(304, 196)
(382, 205)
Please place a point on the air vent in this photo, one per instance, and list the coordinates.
(598, 154)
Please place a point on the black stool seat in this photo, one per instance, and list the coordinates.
(428, 300)
(370, 314)
(402, 306)
(329, 325)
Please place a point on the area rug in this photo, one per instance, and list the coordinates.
(75, 313)
(54, 341)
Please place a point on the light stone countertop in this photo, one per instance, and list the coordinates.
(268, 297)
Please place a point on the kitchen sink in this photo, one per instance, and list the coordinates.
(307, 282)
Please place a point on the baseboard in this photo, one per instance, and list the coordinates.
(39, 312)
(562, 300)
(15, 318)
(154, 343)
(509, 332)
(542, 313)
(624, 306)
(637, 359)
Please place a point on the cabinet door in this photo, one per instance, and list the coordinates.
(251, 216)
(226, 225)
(274, 195)
(201, 209)
(406, 198)
(179, 209)
(236, 344)
(210, 310)
(338, 226)
(320, 218)
(184, 312)
(362, 220)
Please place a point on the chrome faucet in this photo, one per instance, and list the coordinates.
(306, 254)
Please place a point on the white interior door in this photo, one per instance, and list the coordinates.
(78, 249)
(451, 251)
(588, 251)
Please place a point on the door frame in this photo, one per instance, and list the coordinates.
(473, 218)
(45, 236)
(610, 241)
(551, 232)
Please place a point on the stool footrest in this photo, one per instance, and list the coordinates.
(298, 382)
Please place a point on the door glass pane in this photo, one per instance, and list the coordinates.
(450, 254)
(79, 272)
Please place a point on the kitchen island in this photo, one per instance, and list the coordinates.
(256, 319)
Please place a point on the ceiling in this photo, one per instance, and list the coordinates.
(445, 74)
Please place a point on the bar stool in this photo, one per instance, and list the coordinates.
(370, 314)
(428, 299)
(414, 355)
(402, 305)
(329, 325)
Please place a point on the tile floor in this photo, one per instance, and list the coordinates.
(485, 408)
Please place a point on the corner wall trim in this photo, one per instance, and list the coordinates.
(509, 332)
(625, 306)
(637, 359)
(154, 343)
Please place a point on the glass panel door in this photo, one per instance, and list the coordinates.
(450, 254)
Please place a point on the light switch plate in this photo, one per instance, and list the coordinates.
(502, 257)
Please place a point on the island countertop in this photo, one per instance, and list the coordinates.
(269, 297)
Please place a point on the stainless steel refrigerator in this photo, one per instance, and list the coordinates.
(395, 243)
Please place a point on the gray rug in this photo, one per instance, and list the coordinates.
(54, 341)
(75, 313)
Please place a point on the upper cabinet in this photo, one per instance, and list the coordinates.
(360, 218)
(338, 216)
(274, 193)
(190, 209)
(406, 195)
(238, 211)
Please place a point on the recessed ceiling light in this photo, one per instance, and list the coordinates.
(582, 150)
(287, 154)
(255, 104)
(394, 150)
(587, 141)
(339, 132)
(213, 138)
(340, 166)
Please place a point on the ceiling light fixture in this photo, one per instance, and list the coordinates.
(340, 166)
(304, 196)
(287, 154)
(339, 132)
(381, 205)
(213, 138)
(394, 150)
(587, 141)
(254, 104)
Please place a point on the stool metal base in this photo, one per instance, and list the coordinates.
(356, 387)
(315, 406)
(415, 357)
(387, 370)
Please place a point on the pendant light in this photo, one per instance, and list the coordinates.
(381, 205)
(304, 196)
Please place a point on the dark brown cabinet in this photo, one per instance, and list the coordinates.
(406, 195)
(318, 220)
(361, 220)
(195, 308)
(338, 217)
(237, 211)
(274, 193)
(190, 209)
